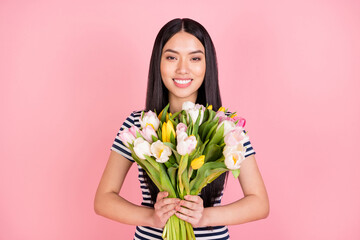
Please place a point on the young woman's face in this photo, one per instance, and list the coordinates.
(183, 66)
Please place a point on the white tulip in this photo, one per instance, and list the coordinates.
(160, 151)
(228, 126)
(233, 160)
(150, 118)
(141, 148)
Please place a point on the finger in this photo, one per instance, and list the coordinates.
(185, 211)
(185, 218)
(193, 198)
(166, 201)
(168, 208)
(169, 214)
(161, 195)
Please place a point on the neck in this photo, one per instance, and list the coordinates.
(176, 102)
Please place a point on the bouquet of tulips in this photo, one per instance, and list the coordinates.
(184, 151)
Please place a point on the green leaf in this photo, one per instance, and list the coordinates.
(166, 182)
(172, 175)
(206, 115)
(183, 117)
(138, 135)
(175, 115)
(206, 174)
(211, 131)
(163, 115)
(219, 135)
(212, 152)
(172, 138)
(202, 147)
(173, 149)
(153, 162)
(236, 173)
(196, 125)
(154, 138)
(182, 167)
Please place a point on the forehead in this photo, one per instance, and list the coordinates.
(183, 42)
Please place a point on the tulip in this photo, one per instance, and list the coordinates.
(134, 129)
(210, 107)
(188, 105)
(221, 115)
(126, 136)
(235, 137)
(181, 136)
(160, 151)
(167, 129)
(148, 132)
(186, 145)
(198, 162)
(231, 149)
(228, 126)
(221, 109)
(241, 121)
(233, 160)
(149, 118)
(181, 127)
(193, 110)
(141, 148)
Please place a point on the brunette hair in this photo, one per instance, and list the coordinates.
(209, 92)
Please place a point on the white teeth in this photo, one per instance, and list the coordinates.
(182, 81)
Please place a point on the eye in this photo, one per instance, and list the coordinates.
(170, 58)
(196, 59)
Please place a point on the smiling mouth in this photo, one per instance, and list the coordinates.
(182, 81)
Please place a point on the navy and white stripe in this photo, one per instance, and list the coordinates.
(147, 233)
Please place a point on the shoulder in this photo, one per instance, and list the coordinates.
(132, 119)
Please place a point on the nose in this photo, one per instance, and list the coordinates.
(182, 66)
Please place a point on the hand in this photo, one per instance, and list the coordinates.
(191, 210)
(164, 208)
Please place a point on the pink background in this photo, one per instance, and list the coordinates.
(72, 71)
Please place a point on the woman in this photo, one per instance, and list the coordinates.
(183, 68)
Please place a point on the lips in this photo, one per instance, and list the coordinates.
(182, 82)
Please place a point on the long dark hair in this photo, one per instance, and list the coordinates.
(209, 92)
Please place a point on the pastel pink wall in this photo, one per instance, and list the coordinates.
(291, 68)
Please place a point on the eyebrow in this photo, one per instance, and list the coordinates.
(193, 52)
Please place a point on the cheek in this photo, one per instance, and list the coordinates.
(165, 69)
(200, 70)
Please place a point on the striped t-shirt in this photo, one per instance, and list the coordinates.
(145, 232)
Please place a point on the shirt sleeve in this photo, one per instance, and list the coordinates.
(118, 146)
(249, 148)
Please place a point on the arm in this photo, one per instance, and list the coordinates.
(107, 201)
(109, 204)
(253, 206)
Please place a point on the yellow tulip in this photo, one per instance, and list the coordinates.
(222, 109)
(167, 129)
(160, 114)
(198, 162)
(210, 107)
(234, 115)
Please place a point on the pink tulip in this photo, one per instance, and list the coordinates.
(148, 132)
(133, 130)
(241, 122)
(126, 137)
(221, 115)
(235, 137)
(181, 127)
(187, 145)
